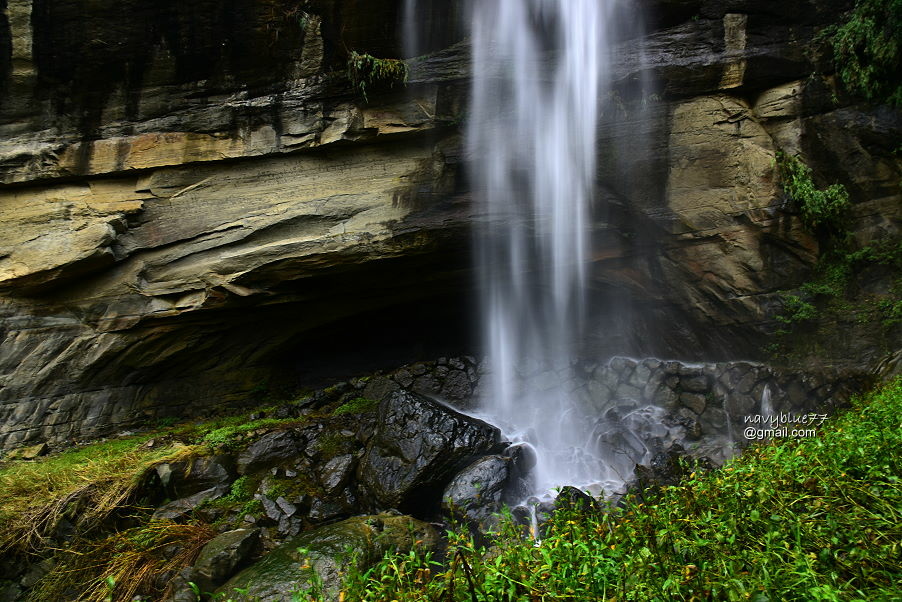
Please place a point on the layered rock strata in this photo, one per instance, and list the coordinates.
(190, 210)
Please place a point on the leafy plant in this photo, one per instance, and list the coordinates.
(867, 49)
(818, 518)
(367, 72)
(820, 210)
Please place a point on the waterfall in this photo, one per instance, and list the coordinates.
(539, 70)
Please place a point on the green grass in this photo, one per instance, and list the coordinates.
(808, 519)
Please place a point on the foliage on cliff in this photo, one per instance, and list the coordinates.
(836, 291)
(818, 518)
(367, 72)
(867, 49)
(821, 210)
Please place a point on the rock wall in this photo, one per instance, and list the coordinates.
(195, 200)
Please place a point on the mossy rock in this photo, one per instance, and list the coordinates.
(318, 558)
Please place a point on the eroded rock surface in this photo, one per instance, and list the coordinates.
(186, 208)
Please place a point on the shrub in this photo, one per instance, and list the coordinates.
(867, 49)
(820, 210)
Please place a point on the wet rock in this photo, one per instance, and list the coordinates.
(380, 387)
(341, 504)
(667, 467)
(697, 383)
(713, 421)
(10, 592)
(183, 507)
(270, 508)
(268, 450)
(323, 552)
(456, 386)
(37, 572)
(337, 472)
(571, 498)
(418, 447)
(479, 490)
(287, 507)
(687, 419)
(223, 556)
(693, 401)
(187, 478)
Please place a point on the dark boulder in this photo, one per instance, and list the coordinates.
(571, 498)
(221, 558)
(181, 479)
(418, 447)
(477, 493)
(270, 449)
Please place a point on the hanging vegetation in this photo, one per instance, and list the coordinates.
(367, 72)
(867, 48)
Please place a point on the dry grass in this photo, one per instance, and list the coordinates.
(124, 565)
(84, 485)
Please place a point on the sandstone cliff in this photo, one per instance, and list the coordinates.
(195, 198)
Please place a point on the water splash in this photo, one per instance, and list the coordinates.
(539, 73)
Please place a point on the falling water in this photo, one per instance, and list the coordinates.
(539, 70)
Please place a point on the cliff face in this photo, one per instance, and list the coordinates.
(195, 198)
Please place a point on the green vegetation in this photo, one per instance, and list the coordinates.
(832, 292)
(230, 432)
(367, 72)
(808, 519)
(821, 210)
(867, 49)
(358, 405)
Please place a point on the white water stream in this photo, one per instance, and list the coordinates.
(539, 70)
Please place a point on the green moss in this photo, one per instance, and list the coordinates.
(358, 405)
(238, 432)
(867, 49)
(367, 72)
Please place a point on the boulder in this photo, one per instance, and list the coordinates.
(268, 450)
(180, 508)
(478, 491)
(189, 477)
(322, 554)
(222, 557)
(418, 447)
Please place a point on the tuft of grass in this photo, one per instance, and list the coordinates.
(124, 565)
(85, 486)
(818, 518)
